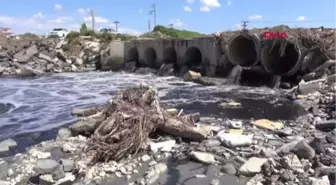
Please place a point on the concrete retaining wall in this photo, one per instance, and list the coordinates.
(153, 53)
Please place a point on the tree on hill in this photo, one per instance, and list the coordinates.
(83, 29)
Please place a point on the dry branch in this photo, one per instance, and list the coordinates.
(130, 117)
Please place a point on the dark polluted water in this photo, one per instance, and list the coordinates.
(33, 109)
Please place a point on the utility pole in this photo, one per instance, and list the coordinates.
(116, 25)
(149, 26)
(153, 12)
(244, 24)
(92, 19)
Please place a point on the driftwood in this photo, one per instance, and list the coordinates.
(177, 128)
(130, 117)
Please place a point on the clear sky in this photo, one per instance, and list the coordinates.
(206, 16)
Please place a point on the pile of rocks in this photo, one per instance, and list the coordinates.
(41, 56)
(260, 151)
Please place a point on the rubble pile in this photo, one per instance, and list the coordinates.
(132, 137)
(45, 55)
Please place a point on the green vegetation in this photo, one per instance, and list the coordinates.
(30, 36)
(83, 28)
(154, 35)
(280, 27)
(163, 32)
(103, 37)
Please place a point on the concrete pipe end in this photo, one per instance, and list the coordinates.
(243, 49)
(280, 57)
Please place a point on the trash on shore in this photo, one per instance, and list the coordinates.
(133, 131)
(130, 117)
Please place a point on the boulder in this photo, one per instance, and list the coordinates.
(191, 76)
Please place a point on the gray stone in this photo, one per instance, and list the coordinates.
(86, 111)
(215, 182)
(84, 127)
(292, 162)
(4, 149)
(287, 176)
(157, 169)
(229, 169)
(212, 143)
(25, 55)
(145, 158)
(74, 68)
(46, 166)
(63, 134)
(302, 149)
(5, 182)
(8, 142)
(252, 166)
(58, 173)
(318, 144)
(68, 165)
(45, 57)
(323, 181)
(26, 71)
(287, 148)
(46, 180)
(10, 172)
(67, 180)
(307, 88)
(153, 179)
(3, 169)
(256, 180)
(203, 157)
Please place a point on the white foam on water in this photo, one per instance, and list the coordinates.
(46, 102)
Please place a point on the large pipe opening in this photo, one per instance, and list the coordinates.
(133, 55)
(169, 56)
(193, 57)
(150, 57)
(243, 49)
(280, 57)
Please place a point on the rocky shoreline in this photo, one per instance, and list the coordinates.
(34, 57)
(260, 151)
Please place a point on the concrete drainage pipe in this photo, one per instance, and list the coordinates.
(280, 57)
(243, 49)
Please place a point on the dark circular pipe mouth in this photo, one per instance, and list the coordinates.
(169, 56)
(243, 49)
(193, 57)
(150, 57)
(280, 56)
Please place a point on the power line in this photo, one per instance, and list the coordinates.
(116, 25)
(244, 24)
(153, 12)
(92, 19)
(149, 25)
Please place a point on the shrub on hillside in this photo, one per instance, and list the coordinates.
(107, 37)
(30, 36)
(72, 35)
(175, 33)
